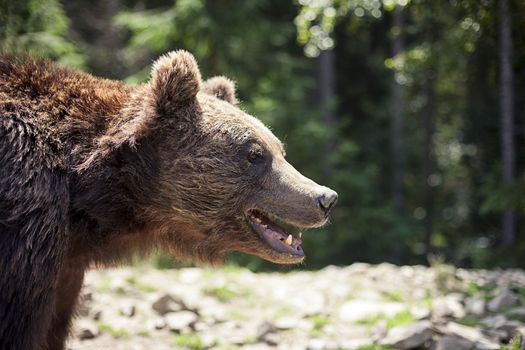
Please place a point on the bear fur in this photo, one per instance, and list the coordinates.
(94, 172)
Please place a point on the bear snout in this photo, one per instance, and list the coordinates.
(327, 201)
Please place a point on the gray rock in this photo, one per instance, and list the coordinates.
(410, 336)
(505, 298)
(512, 329)
(419, 312)
(96, 315)
(448, 342)
(379, 330)
(494, 321)
(518, 312)
(86, 330)
(156, 323)
(127, 310)
(180, 321)
(355, 310)
(168, 303)
(471, 334)
(448, 306)
(475, 306)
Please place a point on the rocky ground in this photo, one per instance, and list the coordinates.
(365, 307)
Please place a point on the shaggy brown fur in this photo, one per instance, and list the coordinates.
(93, 172)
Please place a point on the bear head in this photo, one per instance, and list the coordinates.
(221, 181)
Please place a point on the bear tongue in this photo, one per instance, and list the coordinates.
(276, 236)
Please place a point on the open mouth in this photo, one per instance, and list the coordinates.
(275, 236)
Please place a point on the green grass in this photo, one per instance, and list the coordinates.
(396, 296)
(318, 321)
(521, 291)
(224, 293)
(483, 291)
(374, 347)
(469, 321)
(520, 318)
(115, 332)
(104, 286)
(188, 341)
(144, 287)
(515, 344)
(399, 319)
(143, 333)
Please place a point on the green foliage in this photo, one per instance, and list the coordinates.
(39, 27)
(268, 46)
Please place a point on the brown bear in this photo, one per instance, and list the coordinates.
(93, 172)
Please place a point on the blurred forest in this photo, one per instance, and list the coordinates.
(412, 110)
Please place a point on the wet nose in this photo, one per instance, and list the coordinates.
(327, 201)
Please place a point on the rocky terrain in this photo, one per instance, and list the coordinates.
(365, 307)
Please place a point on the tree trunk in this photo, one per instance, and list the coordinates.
(428, 157)
(326, 79)
(397, 124)
(506, 85)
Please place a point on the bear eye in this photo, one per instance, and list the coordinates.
(255, 156)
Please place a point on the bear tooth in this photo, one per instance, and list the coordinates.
(300, 234)
(289, 240)
(257, 220)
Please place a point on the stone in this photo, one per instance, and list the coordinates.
(86, 330)
(379, 330)
(512, 329)
(419, 312)
(448, 306)
(156, 323)
(168, 303)
(127, 310)
(180, 321)
(475, 306)
(355, 310)
(471, 334)
(96, 315)
(518, 312)
(409, 336)
(494, 321)
(453, 343)
(505, 298)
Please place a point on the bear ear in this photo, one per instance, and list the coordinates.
(175, 80)
(222, 88)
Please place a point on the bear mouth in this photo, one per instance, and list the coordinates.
(275, 236)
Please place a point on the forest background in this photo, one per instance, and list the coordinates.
(413, 111)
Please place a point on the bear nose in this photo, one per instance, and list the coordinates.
(327, 201)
